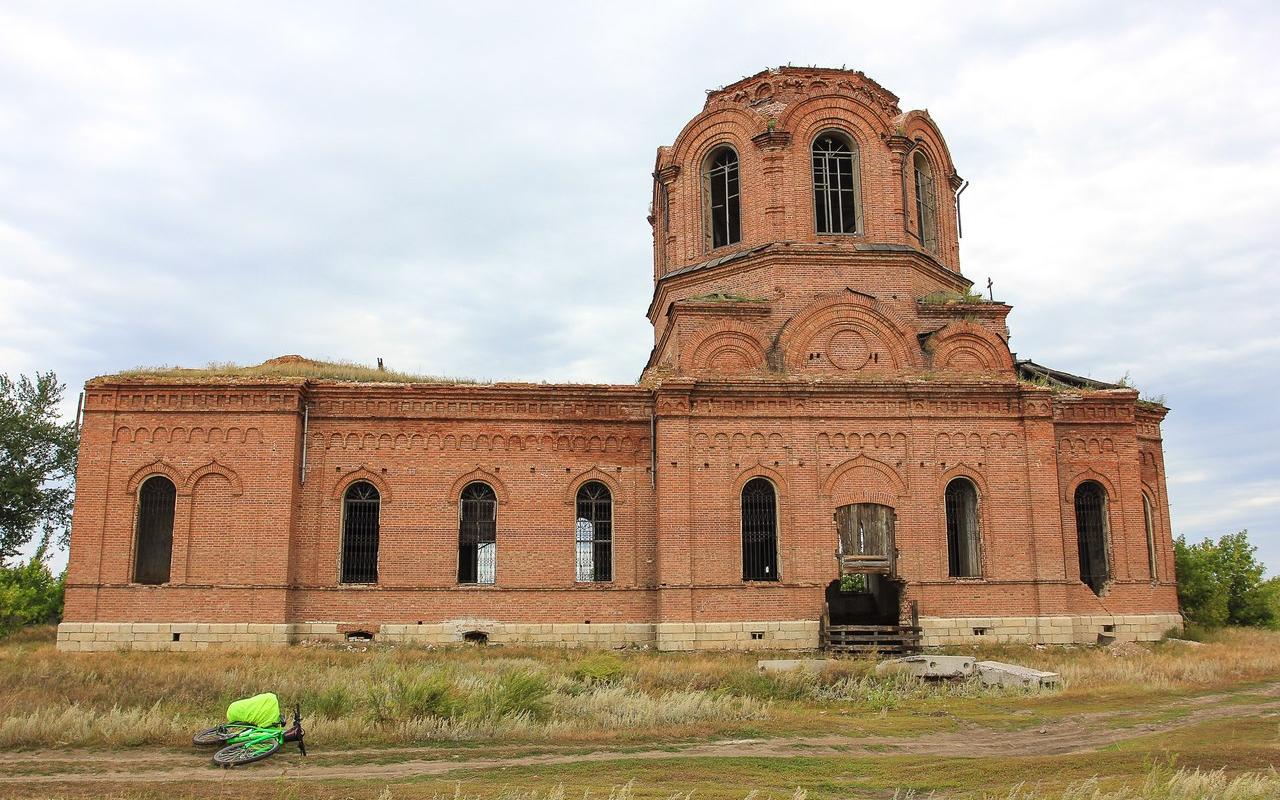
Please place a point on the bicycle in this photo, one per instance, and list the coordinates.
(245, 743)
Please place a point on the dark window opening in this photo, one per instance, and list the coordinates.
(475, 637)
(1149, 520)
(757, 635)
(360, 510)
(177, 637)
(759, 531)
(478, 534)
(1091, 535)
(593, 537)
(722, 198)
(926, 204)
(963, 554)
(154, 533)
(360, 636)
(835, 185)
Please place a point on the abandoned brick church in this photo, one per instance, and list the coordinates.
(831, 435)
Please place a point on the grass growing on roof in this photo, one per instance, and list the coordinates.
(287, 367)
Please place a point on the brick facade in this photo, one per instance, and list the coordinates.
(824, 364)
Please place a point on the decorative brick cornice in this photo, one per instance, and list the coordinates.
(773, 139)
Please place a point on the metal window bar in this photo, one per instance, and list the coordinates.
(360, 511)
(478, 534)
(759, 531)
(962, 530)
(593, 535)
(722, 181)
(1091, 535)
(154, 552)
(926, 204)
(834, 195)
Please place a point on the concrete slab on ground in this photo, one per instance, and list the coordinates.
(929, 666)
(997, 673)
(794, 664)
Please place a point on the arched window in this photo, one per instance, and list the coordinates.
(926, 203)
(361, 505)
(1149, 520)
(593, 537)
(478, 534)
(835, 185)
(1091, 534)
(154, 535)
(759, 531)
(964, 556)
(721, 198)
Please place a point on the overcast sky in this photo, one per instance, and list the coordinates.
(462, 188)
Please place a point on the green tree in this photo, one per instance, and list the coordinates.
(29, 593)
(37, 462)
(1220, 583)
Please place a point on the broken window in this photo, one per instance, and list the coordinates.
(360, 510)
(478, 534)
(1091, 534)
(835, 184)
(1151, 537)
(926, 204)
(964, 558)
(154, 533)
(759, 531)
(593, 539)
(720, 195)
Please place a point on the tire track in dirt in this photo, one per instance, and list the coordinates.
(1075, 734)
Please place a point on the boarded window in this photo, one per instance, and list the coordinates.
(1149, 520)
(866, 541)
(720, 190)
(963, 555)
(478, 534)
(360, 511)
(835, 184)
(759, 531)
(1091, 534)
(154, 533)
(926, 204)
(593, 538)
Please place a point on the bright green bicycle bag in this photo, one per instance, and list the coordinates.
(262, 710)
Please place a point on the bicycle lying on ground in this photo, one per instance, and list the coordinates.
(245, 743)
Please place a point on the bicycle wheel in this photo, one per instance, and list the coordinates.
(219, 734)
(246, 752)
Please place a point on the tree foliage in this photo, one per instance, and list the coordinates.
(29, 593)
(1220, 583)
(37, 462)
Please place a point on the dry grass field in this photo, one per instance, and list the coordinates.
(1152, 721)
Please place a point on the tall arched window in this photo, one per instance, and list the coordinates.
(964, 556)
(1150, 523)
(721, 198)
(361, 505)
(759, 531)
(1091, 534)
(926, 203)
(835, 185)
(478, 534)
(593, 537)
(154, 534)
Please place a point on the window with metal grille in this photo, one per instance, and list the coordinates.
(593, 538)
(360, 510)
(1091, 534)
(759, 531)
(721, 196)
(964, 558)
(478, 534)
(154, 535)
(835, 184)
(926, 204)
(1151, 537)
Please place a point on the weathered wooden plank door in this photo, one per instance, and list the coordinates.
(866, 537)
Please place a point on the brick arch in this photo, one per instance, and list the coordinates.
(808, 118)
(965, 346)
(849, 310)
(965, 470)
(592, 474)
(759, 470)
(213, 467)
(484, 476)
(919, 123)
(720, 342)
(361, 473)
(862, 479)
(694, 135)
(157, 467)
(1069, 494)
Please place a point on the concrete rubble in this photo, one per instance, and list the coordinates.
(997, 673)
(929, 666)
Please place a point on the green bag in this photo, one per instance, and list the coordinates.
(262, 710)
